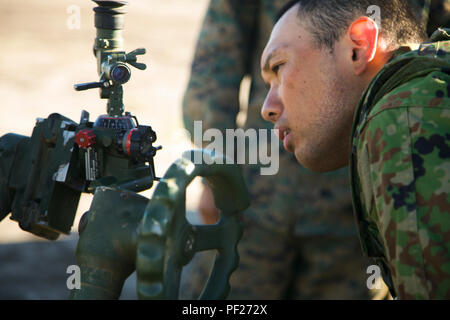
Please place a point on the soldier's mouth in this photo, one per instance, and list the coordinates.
(283, 134)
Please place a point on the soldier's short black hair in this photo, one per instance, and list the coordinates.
(327, 20)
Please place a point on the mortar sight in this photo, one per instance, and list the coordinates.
(112, 60)
(109, 22)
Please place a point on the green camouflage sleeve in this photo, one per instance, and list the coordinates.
(219, 65)
(404, 169)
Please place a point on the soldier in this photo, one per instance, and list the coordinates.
(299, 237)
(335, 74)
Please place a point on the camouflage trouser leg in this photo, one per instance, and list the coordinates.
(331, 267)
(264, 270)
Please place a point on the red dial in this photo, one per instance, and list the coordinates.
(128, 141)
(85, 138)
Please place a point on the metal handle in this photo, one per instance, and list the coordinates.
(167, 242)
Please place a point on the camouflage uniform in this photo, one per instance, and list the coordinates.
(401, 171)
(300, 240)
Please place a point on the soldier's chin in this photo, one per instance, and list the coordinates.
(316, 164)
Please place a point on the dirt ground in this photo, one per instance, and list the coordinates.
(42, 57)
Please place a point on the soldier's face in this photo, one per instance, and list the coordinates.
(311, 98)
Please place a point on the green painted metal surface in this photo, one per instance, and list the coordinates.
(124, 231)
(106, 251)
(167, 241)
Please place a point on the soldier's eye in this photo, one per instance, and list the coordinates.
(276, 68)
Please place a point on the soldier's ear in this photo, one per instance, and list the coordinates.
(363, 38)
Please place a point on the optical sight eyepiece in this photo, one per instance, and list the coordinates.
(109, 14)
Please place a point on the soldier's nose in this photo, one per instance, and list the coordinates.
(271, 109)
